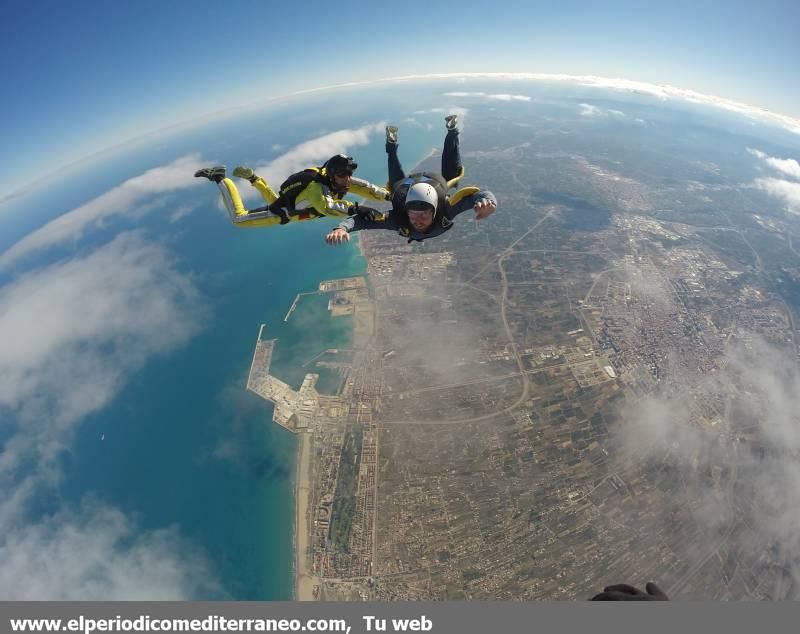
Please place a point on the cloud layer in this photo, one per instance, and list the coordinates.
(80, 327)
(96, 553)
(660, 91)
(124, 200)
(743, 471)
(76, 331)
(790, 167)
(787, 190)
(588, 110)
(495, 96)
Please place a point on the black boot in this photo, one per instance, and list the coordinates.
(214, 174)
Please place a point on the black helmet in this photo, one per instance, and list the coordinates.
(338, 164)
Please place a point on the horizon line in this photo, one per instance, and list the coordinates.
(662, 91)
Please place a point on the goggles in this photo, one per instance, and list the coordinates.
(418, 208)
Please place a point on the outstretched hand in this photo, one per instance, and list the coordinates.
(484, 209)
(337, 236)
(624, 592)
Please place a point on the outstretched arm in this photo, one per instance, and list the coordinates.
(365, 189)
(325, 204)
(358, 223)
(482, 201)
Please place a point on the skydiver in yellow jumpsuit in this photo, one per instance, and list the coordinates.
(312, 193)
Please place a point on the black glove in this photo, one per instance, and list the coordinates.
(624, 592)
(283, 214)
(368, 213)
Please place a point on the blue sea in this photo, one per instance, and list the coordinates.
(184, 444)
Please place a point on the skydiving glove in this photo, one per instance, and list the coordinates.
(624, 592)
(368, 213)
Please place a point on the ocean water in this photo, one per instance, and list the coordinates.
(184, 444)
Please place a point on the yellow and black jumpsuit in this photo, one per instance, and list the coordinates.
(312, 200)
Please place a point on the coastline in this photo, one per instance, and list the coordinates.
(434, 151)
(307, 586)
(304, 580)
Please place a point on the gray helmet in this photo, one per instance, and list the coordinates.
(421, 196)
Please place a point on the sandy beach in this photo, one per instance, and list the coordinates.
(304, 581)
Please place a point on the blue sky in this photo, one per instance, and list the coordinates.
(83, 77)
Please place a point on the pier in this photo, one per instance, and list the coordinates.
(294, 303)
(294, 410)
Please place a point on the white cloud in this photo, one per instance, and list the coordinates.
(182, 212)
(788, 166)
(456, 110)
(495, 97)
(95, 553)
(588, 110)
(506, 97)
(464, 94)
(752, 448)
(77, 329)
(787, 190)
(126, 199)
